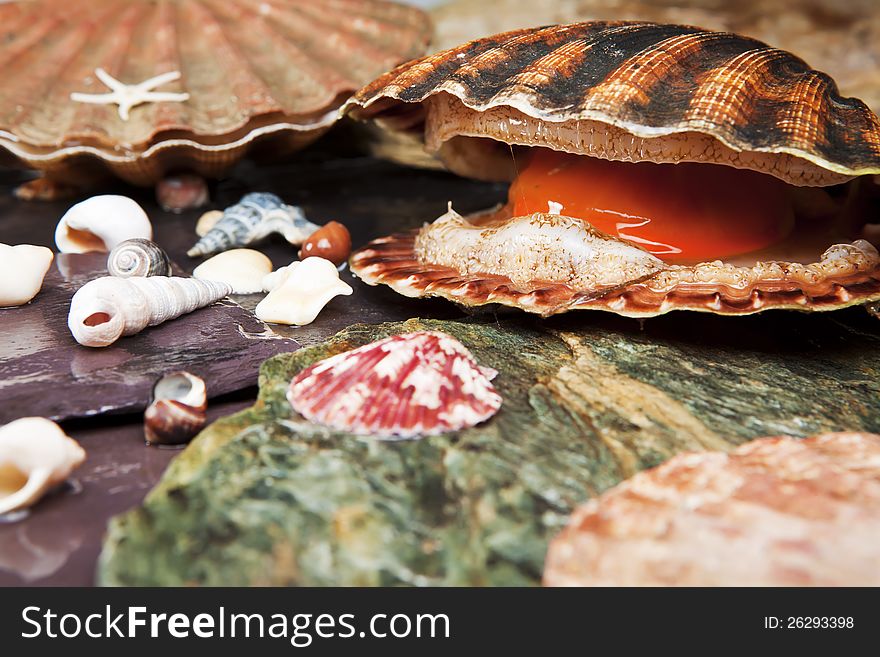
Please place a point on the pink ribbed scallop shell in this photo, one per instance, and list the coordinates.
(416, 384)
(252, 69)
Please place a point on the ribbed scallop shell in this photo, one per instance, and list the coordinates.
(630, 91)
(252, 69)
(715, 96)
(774, 512)
(416, 384)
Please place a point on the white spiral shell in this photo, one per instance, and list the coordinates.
(138, 257)
(107, 308)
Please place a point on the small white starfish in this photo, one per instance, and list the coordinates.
(130, 95)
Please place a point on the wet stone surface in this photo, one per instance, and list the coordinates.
(264, 497)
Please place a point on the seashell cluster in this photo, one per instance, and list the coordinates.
(332, 241)
(177, 412)
(623, 94)
(197, 85)
(35, 456)
(138, 257)
(22, 269)
(417, 384)
(242, 269)
(100, 223)
(105, 309)
(774, 512)
(300, 291)
(256, 216)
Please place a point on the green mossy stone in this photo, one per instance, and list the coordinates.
(264, 498)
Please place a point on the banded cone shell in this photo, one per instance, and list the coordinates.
(630, 92)
(249, 72)
(774, 512)
(138, 257)
(256, 216)
(417, 384)
(105, 309)
(177, 412)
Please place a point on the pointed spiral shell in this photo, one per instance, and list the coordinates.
(254, 217)
(107, 308)
(138, 257)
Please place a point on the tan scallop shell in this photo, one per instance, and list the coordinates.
(774, 512)
(252, 70)
(628, 91)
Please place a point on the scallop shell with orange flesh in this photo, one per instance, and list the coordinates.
(629, 92)
(239, 72)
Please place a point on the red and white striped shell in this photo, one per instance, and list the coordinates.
(630, 92)
(252, 70)
(416, 384)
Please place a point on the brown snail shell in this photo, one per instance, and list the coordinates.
(332, 242)
(177, 412)
(639, 92)
(246, 72)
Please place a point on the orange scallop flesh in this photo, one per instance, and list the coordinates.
(682, 213)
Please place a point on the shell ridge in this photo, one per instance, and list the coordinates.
(852, 146)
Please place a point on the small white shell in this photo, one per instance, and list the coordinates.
(22, 269)
(105, 309)
(243, 269)
(302, 293)
(35, 456)
(206, 221)
(100, 223)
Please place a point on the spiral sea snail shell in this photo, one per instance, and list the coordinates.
(138, 257)
(107, 308)
(177, 412)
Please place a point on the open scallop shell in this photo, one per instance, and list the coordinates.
(630, 92)
(416, 384)
(250, 70)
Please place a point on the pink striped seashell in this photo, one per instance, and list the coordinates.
(417, 384)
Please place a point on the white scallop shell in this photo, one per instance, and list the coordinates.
(107, 308)
(302, 293)
(100, 223)
(243, 269)
(22, 269)
(35, 456)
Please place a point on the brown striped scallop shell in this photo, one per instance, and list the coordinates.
(252, 69)
(636, 92)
